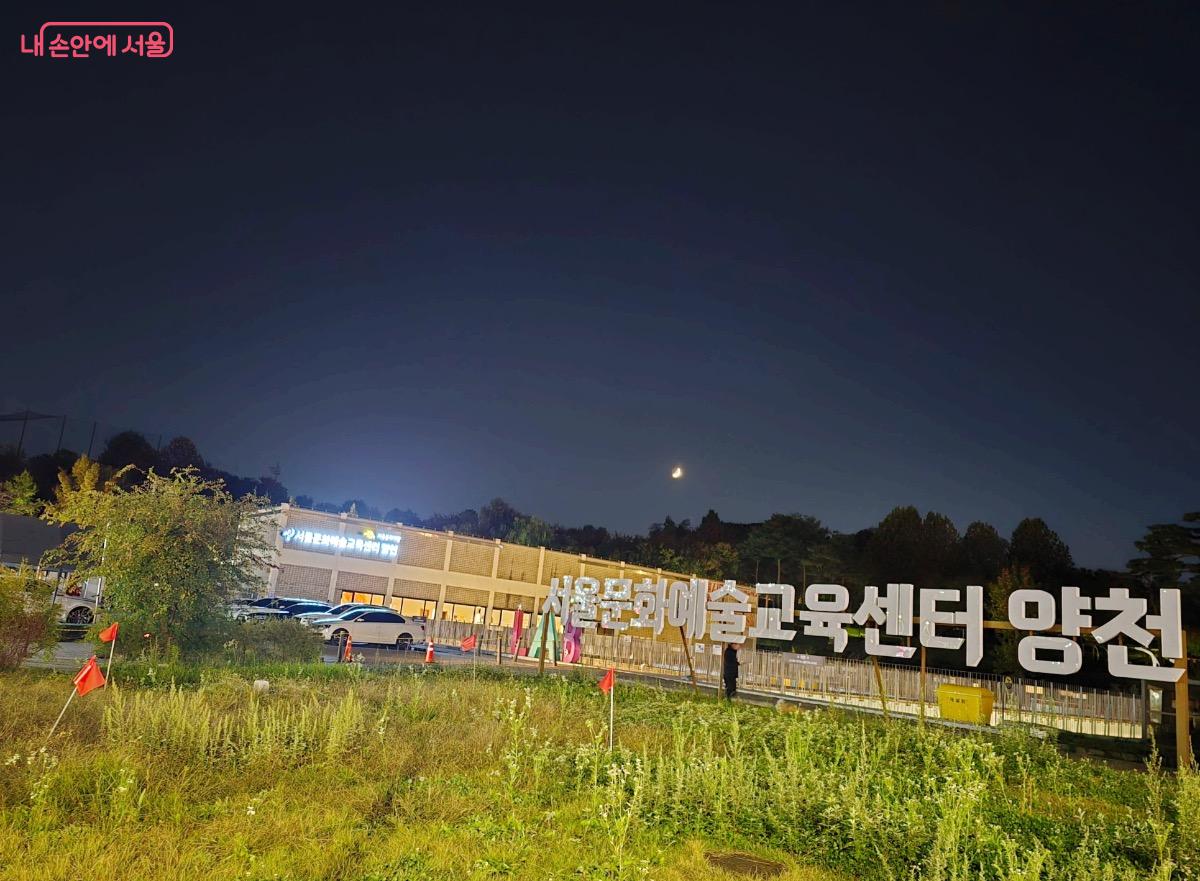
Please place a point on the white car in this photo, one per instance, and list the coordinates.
(320, 619)
(279, 606)
(75, 610)
(374, 627)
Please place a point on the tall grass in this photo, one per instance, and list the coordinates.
(352, 775)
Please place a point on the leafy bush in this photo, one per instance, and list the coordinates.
(271, 640)
(28, 615)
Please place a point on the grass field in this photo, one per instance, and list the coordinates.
(338, 773)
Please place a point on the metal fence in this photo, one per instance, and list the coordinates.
(845, 682)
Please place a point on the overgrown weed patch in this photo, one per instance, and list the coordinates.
(411, 774)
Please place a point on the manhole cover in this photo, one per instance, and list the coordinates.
(745, 864)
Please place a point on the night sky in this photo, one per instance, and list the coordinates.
(833, 262)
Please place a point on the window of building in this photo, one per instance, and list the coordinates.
(503, 618)
(372, 599)
(414, 608)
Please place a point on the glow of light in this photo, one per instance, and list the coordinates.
(677, 473)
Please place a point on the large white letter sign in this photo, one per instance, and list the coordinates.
(558, 599)
(826, 613)
(584, 601)
(615, 602)
(1070, 655)
(896, 609)
(729, 607)
(1129, 611)
(687, 607)
(971, 618)
(769, 620)
(650, 605)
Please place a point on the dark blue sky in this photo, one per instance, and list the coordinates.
(831, 261)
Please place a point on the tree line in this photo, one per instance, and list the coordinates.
(29, 483)
(925, 549)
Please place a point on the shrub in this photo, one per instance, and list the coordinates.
(28, 615)
(285, 640)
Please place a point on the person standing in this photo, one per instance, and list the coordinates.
(729, 669)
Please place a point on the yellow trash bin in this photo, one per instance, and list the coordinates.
(965, 703)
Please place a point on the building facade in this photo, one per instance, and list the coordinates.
(437, 575)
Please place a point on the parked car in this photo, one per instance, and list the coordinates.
(310, 608)
(322, 623)
(75, 609)
(375, 626)
(320, 618)
(241, 609)
(260, 614)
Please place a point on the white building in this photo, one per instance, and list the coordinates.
(438, 575)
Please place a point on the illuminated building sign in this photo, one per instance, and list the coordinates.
(369, 543)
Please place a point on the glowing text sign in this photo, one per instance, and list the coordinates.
(370, 544)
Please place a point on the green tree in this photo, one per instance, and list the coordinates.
(780, 546)
(19, 495)
(717, 561)
(497, 518)
(28, 615)
(530, 531)
(840, 560)
(171, 550)
(1038, 548)
(1003, 658)
(984, 552)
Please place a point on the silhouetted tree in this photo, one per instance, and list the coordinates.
(11, 463)
(940, 558)
(359, 508)
(1172, 559)
(44, 470)
(129, 448)
(1171, 552)
(984, 552)
(497, 518)
(180, 452)
(782, 545)
(403, 516)
(896, 547)
(269, 487)
(465, 522)
(1037, 547)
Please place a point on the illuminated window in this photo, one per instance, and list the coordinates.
(502, 618)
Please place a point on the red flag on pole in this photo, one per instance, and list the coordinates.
(468, 644)
(610, 679)
(89, 677)
(109, 633)
(346, 652)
